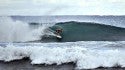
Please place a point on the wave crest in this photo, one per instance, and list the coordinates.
(19, 31)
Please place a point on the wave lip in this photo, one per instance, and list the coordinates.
(86, 55)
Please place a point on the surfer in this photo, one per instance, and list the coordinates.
(58, 31)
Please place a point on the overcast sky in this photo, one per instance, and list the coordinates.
(62, 7)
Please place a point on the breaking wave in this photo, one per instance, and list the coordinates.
(86, 55)
(19, 31)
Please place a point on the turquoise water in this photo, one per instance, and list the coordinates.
(88, 31)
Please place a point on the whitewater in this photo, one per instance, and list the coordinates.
(85, 54)
(19, 31)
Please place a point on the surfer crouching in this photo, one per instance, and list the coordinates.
(58, 31)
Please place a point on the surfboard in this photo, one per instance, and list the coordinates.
(58, 36)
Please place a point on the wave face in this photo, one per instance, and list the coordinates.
(88, 31)
(86, 55)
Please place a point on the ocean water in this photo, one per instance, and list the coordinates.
(88, 41)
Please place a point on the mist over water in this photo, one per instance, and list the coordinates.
(19, 31)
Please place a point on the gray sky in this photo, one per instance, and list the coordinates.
(62, 7)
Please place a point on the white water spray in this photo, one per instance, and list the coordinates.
(18, 31)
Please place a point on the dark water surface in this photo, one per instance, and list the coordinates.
(26, 65)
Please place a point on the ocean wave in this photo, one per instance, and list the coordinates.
(19, 31)
(88, 31)
(86, 55)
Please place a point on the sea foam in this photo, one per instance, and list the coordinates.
(86, 55)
